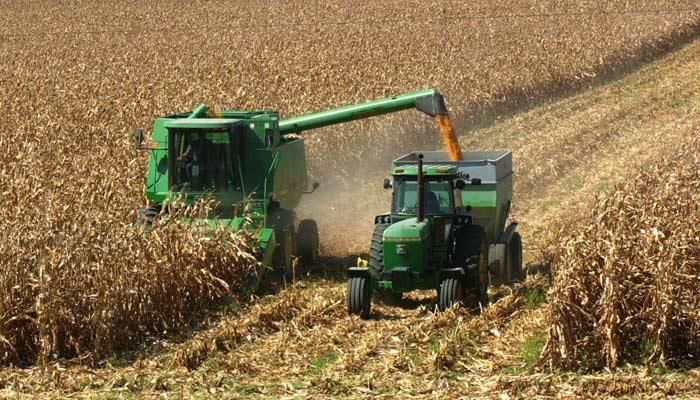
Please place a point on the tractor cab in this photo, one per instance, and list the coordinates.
(438, 192)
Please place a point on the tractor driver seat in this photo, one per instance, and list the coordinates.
(432, 205)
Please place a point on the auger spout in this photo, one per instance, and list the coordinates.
(428, 101)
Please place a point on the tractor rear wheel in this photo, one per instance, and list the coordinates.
(515, 258)
(451, 292)
(307, 241)
(376, 250)
(359, 296)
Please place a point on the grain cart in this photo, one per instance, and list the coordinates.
(446, 231)
(253, 165)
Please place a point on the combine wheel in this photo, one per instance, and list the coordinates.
(359, 296)
(286, 250)
(451, 292)
(515, 258)
(146, 215)
(307, 241)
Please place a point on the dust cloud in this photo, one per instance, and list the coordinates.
(350, 161)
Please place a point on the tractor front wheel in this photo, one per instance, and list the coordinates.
(359, 296)
(450, 293)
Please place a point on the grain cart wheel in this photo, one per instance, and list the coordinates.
(451, 292)
(472, 252)
(359, 296)
(307, 241)
(376, 250)
(498, 264)
(515, 256)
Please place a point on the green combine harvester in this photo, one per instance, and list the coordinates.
(446, 231)
(253, 165)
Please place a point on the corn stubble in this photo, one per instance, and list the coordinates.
(626, 288)
(77, 280)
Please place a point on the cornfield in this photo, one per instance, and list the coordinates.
(76, 280)
(626, 287)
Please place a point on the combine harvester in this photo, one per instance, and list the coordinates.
(253, 166)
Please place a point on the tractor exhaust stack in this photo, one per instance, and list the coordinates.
(420, 207)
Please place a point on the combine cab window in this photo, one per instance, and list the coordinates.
(438, 197)
(204, 161)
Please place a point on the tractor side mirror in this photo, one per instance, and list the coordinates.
(460, 184)
(387, 183)
(138, 138)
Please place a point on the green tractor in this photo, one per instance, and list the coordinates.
(252, 164)
(446, 231)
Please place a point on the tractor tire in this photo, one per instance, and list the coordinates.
(145, 216)
(307, 241)
(471, 253)
(359, 296)
(515, 258)
(376, 251)
(451, 293)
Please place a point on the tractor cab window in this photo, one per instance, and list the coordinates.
(438, 197)
(204, 161)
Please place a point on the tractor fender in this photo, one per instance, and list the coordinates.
(359, 272)
(457, 273)
(508, 233)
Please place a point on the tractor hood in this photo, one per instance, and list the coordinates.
(408, 230)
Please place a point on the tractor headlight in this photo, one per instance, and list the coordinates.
(401, 249)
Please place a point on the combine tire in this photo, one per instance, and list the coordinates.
(307, 241)
(359, 296)
(283, 223)
(146, 215)
(376, 250)
(471, 253)
(451, 292)
(515, 256)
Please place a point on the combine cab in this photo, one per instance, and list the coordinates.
(446, 231)
(253, 165)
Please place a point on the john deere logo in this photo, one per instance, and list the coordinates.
(401, 249)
